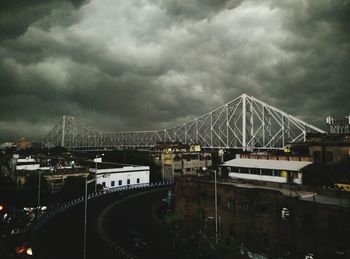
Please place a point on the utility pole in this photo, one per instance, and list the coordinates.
(38, 208)
(85, 215)
(216, 208)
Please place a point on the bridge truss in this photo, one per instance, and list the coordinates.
(245, 123)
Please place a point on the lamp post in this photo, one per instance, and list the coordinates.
(216, 208)
(96, 169)
(38, 207)
(85, 207)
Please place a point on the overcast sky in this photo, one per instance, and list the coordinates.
(146, 64)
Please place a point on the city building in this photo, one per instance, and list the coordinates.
(111, 175)
(23, 164)
(329, 148)
(23, 167)
(57, 178)
(6, 145)
(177, 160)
(23, 144)
(267, 221)
(338, 125)
(270, 168)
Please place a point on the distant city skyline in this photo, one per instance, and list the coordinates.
(139, 65)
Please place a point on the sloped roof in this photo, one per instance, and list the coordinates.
(267, 164)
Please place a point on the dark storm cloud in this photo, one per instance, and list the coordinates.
(147, 64)
(17, 15)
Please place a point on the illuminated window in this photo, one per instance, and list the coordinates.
(285, 214)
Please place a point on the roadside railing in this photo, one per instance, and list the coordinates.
(76, 201)
(61, 208)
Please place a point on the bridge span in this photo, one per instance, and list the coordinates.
(244, 123)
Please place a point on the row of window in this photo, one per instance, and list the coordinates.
(120, 182)
(328, 156)
(244, 170)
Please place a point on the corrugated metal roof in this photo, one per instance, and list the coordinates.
(268, 164)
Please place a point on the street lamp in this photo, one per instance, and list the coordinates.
(96, 169)
(85, 209)
(216, 208)
(38, 207)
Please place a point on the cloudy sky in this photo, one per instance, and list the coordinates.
(144, 64)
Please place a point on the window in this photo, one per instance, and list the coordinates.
(231, 205)
(203, 196)
(120, 182)
(245, 207)
(285, 213)
(218, 200)
(138, 180)
(266, 172)
(317, 156)
(128, 181)
(244, 170)
(112, 183)
(329, 157)
(255, 171)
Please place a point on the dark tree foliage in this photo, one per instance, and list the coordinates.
(29, 193)
(7, 190)
(74, 186)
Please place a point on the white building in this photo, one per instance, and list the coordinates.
(270, 170)
(112, 175)
(5, 145)
(27, 163)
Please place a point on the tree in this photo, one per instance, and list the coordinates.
(7, 190)
(74, 186)
(31, 188)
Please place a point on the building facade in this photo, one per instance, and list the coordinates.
(111, 175)
(269, 168)
(178, 161)
(268, 222)
(329, 148)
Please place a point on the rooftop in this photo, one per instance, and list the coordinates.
(267, 164)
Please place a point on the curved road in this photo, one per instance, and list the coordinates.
(122, 215)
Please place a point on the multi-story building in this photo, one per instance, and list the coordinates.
(178, 161)
(111, 175)
(329, 148)
(23, 144)
(24, 167)
(5, 145)
(267, 222)
(57, 178)
(23, 164)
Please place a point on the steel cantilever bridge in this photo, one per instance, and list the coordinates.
(245, 123)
